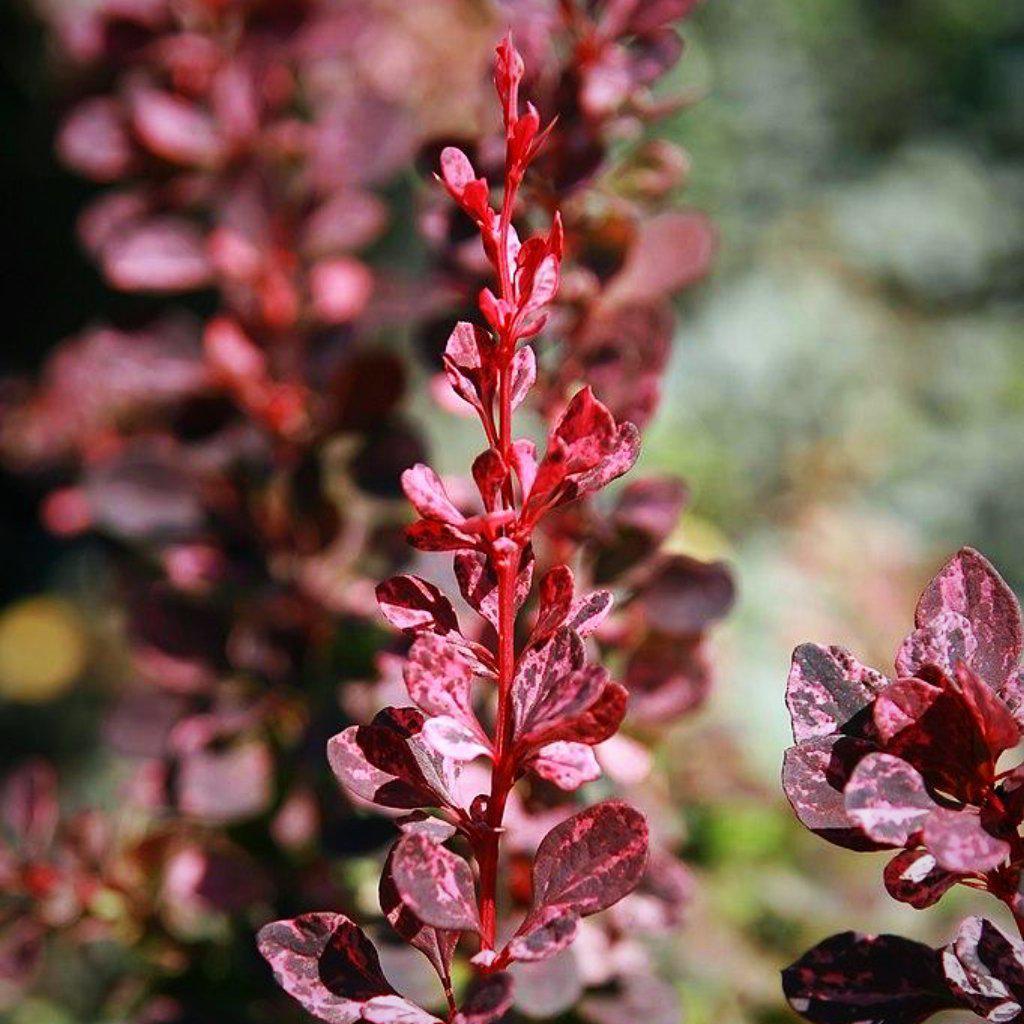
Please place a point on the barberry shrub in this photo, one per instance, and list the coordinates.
(532, 708)
(913, 764)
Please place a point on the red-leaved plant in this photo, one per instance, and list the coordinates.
(550, 706)
(911, 765)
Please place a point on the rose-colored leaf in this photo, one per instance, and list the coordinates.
(478, 583)
(226, 785)
(159, 255)
(969, 586)
(566, 765)
(326, 963)
(887, 798)
(591, 860)
(882, 979)
(829, 691)
(985, 970)
(487, 1001)
(437, 945)
(439, 678)
(555, 594)
(396, 1010)
(340, 289)
(435, 884)
(174, 129)
(94, 140)
(960, 843)
(376, 763)
(814, 775)
(523, 373)
(944, 642)
(454, 739)
(914, 877)
(428, 496)
(413, 604)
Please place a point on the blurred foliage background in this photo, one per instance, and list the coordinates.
(846, 400)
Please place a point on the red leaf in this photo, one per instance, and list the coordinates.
(971, 587)
(411, 603)
(583, 865)
(555, 594)
(479, 585)
(430, 535)
(887, 798)
(914, 877)
(326, 963)
(488, 1000)
(566, 765)
(159, 255)
(423, 487)
(829, 691)
(435, 884)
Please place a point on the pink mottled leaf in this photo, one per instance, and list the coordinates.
(454, 739)
(437, 945)
(471, 375)
(887, 798)
(960, 843)
(867, 979)
(413, 604)
(396, 1010)
(479, 585)
(814, 775)
(914, 877)
(378, 762)
(428, 496)
(439, 678)
(829, 691)
(588, 612)
(583, 865)
(165, 254)
(523, 373)
(985, 971)
(326, 963)
(555, 593)
(969, 586)
(566, 765)
(944, 642)
(431, 535)
(435, 884)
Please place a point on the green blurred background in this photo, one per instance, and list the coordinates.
(846, 399)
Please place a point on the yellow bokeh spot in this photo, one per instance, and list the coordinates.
(698, 538)
(42, 649)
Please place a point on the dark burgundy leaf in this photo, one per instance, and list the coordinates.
(411, 603)
(814, 775)
(326, 963)
(867, 979)
(829, 691)
(435, 884)
(913, 877)
(685, 595)
(667, 677)
(479, 584)
(887, 798)
(968, 585)
(488, 1000)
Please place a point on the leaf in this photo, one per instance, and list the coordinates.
(453, 739)
(94, 140)
(396, 1010)
(829, 691)
(376, 762)
(555, 593)
(437, 945)
(439, 678)
(164, 254)
(969, 586)
(174, 129)
(430, 535)
(887, 798)
(814, 775)
(588, 612)
(29, 808)
(960, 843)
(425, 491)
(944, 642)
(478, 583)
(326, 963)
(435, 884)
(583, 865)
(914, 877)
(488, 1000)
(867, 979)
(469, 372)
(684, 595)
(667, 677)
(523, 373)
(413, 604)
(985, 970)
(567, 765)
